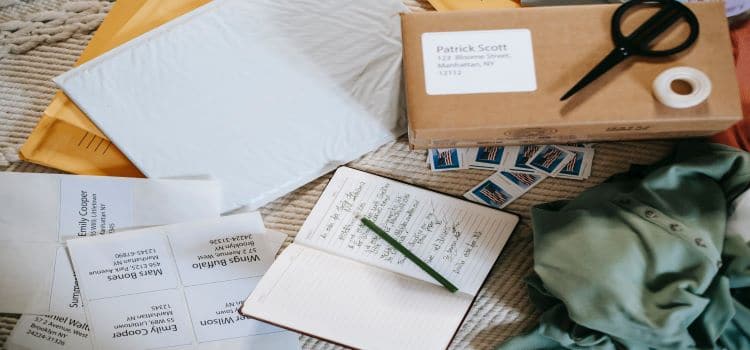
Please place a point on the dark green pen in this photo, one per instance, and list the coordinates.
(403, 250)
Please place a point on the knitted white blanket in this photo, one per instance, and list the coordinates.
(40, 39)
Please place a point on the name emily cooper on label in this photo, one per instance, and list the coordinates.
(472, 48)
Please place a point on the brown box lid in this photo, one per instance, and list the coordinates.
(568, 41)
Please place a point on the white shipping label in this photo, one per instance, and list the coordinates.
(484, 61)
(93, 207)
(150, 320)
(49, 332)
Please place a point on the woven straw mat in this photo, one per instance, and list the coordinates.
(60, 30)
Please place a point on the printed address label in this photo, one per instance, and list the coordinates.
(90, 207)
(484, 61)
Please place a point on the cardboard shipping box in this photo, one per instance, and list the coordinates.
(495, 77)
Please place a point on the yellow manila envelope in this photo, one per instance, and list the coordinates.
(65, 138)
(452, 5)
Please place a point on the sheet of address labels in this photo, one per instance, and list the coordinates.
(47, 209)
(178, 286)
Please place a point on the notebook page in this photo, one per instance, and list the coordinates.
(459, 239)
(355, 304)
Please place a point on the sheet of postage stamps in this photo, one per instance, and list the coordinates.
(517, 168)
(550, 159)
(518, 157)
(485, 157)
(443, 159)
(580, 166)
(503, 187)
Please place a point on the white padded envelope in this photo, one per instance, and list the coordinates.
(263, 95)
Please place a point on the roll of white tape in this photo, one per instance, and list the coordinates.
(698, 81)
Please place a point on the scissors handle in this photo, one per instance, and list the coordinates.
(639, 41)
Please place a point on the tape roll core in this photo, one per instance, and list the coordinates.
(698, 81)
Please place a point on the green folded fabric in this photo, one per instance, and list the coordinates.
(642, 261)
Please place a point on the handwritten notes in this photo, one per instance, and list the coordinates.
(455, 237)
(336, 270)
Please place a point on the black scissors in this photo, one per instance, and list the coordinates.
(638, 43)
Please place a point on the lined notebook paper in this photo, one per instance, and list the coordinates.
(339, 281)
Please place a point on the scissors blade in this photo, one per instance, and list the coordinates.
(615, 57)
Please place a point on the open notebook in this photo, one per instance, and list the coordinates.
(340, 282)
